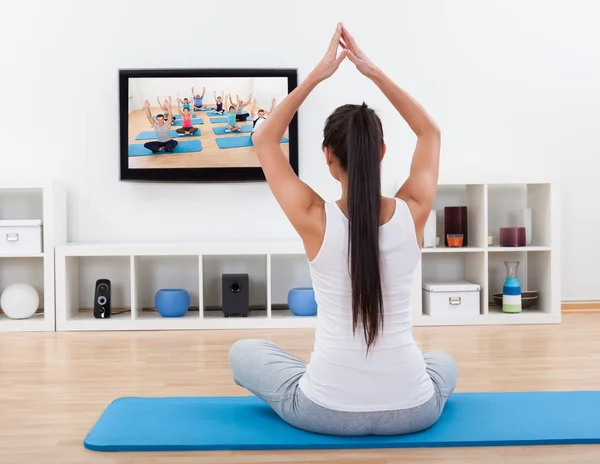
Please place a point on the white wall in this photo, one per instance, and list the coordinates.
(514, 84)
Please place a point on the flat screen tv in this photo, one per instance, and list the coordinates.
(195, 125)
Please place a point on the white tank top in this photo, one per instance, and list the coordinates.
(339, 375)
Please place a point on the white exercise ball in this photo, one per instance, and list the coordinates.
(19, 301)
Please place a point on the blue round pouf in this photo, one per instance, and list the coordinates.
(172, 302)
(302, 301)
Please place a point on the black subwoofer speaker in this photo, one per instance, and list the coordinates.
(102, 299)
(236, 295)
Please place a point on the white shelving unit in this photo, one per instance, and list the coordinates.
(491, 206)
(45, 200)
(138, 270)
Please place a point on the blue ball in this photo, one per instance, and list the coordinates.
(302, 301)
(172, 302)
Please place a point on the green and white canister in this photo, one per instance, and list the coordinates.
(511, 292)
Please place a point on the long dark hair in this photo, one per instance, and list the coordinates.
(355, 136)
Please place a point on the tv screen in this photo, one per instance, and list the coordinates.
(196, 125)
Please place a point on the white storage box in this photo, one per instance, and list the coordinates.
(20, 237)
(460, 298)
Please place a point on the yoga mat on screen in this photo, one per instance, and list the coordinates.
(237, 142)
(178, 116)
(213, 113)
(247, 423)
(151, 135)
(224, 119)
(192, 146)
(195, 122)
(221, 130)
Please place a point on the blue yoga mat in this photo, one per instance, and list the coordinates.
(246, 128)
(178, 116)
(237, 142)
(247, 423)
(151, 135)
(195, 122)
(213, 113)
(224, 119)
(138, 149)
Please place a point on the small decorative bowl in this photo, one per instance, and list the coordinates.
(172, 302)
(301, 301)
(528, 298)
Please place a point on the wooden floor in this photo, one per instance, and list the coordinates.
(210, 156)
(54, 386)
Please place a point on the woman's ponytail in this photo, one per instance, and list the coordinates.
(364, 143)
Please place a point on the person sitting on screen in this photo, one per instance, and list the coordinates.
(241, 114)
(162, 127)
(198, 99)
(260, 117)
(232, 125)
(186, 116)
(219, 103)
(186, 104)
(164, 108)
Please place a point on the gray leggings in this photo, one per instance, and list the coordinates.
(272, 374)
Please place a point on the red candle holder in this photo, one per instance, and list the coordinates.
(455, 222)
(512, 236)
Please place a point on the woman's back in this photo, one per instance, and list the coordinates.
(341, 375)
(366, 374)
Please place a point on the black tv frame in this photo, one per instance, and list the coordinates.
(219, 174)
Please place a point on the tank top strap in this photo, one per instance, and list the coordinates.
(335, 215)
(402, 224)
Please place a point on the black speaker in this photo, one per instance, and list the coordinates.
(102, 299)
(236, 295)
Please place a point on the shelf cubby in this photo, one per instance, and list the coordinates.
(21, 203)
(287, 272)
(213, 268)
(23, 270)
(505, 202)
(457, 267)
(474, 198)
(149, 274)
(81, 273)
(534, 274)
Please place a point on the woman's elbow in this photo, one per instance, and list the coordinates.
(257, 140)
(431, 133)
(260, 138)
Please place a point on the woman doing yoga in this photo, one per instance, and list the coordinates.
(232, 125)
(186, 117)
(219, 102)
(186, 104)
(366, 374)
